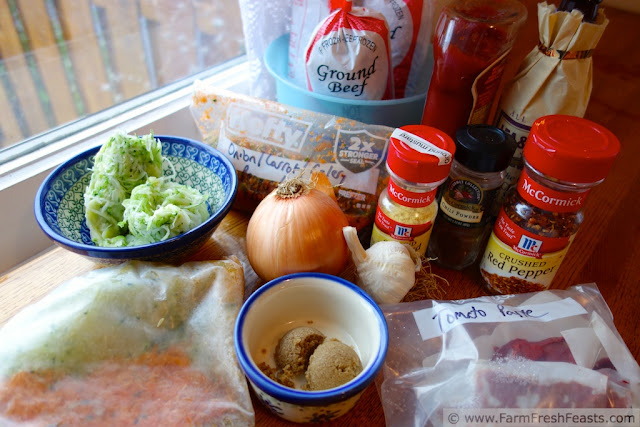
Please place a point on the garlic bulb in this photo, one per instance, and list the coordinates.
(386, 271)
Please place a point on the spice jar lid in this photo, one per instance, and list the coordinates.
(420, 154)
(571, 148)
(484, 148)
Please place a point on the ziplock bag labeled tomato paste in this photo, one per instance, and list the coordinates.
(541, 350)
(268, 142)
(139, 343)
(349, 55)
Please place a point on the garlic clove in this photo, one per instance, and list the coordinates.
(386, 271)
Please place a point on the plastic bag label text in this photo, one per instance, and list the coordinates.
(442, 317)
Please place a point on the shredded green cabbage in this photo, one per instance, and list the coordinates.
(129, 203)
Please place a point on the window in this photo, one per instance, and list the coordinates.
(73, 71)
(66, 59)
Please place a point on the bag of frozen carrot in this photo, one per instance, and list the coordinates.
(267, 142)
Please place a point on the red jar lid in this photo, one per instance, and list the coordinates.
(420, 154)
(571, 148)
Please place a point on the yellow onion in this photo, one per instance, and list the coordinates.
(296, 228)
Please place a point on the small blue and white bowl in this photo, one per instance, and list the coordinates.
(59, 202)
(334, 306)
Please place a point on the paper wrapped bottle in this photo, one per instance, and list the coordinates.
(554, 78)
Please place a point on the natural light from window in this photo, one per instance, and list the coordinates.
(62, 60)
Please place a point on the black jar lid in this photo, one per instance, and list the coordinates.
(484, 148)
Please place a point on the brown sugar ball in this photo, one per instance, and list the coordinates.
(331, 365)
(295, 348)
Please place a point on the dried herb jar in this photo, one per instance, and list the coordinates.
(466, 200)
(564, 157)
(418, 161)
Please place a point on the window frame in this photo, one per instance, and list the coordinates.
(25, 165)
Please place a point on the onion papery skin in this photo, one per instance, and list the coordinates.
(294, 235)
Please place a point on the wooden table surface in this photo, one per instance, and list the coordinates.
(606, 250)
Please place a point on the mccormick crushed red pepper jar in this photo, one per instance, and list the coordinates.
(418, 161)
(564, 157)
(471, 41)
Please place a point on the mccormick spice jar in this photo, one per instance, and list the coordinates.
(418, 161)
(466, 212)
(564, 157)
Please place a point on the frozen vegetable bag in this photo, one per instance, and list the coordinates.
(134, 344)
(541, 350)
(267, 142)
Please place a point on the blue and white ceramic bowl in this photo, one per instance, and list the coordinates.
(59, 202)
(337, 308)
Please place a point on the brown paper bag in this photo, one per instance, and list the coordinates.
(554, 78)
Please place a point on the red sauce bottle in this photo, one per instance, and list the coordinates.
(471, 41)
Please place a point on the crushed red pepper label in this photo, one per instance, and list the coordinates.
(516, 260)
(524, 242)
(548, 199)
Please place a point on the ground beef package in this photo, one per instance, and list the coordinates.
(541, 350)
(409, 21)
(349, 55)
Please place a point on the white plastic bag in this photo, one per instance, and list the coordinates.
(410, 24)
(262, 22)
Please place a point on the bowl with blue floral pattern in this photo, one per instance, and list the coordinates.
(60, 212)
(341, 313)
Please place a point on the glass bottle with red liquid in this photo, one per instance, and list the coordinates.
(471, 41)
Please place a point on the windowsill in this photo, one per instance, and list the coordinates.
(27, 165)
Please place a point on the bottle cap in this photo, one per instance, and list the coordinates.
(484, 148)
(571, 148)
(420, 154)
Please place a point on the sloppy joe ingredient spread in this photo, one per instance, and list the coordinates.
(304, 353)
(155, 388)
